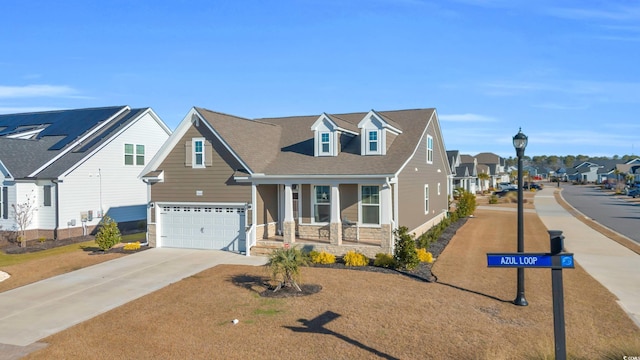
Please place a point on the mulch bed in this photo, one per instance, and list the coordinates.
(421, 273)
(36, 245)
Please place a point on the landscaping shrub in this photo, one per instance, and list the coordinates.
(493, 199)
(285, 267)
(109, 234)
(384, 260)
(132, 246)
(424, 255)
(405, 255)
(322, 257)
(353, 258)
(466, 204)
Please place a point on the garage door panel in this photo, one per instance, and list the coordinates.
(203, 227)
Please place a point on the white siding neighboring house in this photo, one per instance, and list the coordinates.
(76, 166)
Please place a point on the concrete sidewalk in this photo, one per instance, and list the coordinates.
(35, 311)
(612, 264)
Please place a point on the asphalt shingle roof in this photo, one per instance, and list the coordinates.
(22, 157)
(284, 146)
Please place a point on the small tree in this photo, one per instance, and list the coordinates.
(23, 215)
(405, 254)
(109, 234)
(483, 177)
(466, 204)
(285, 267)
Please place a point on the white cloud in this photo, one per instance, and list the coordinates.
(18, 110)
(36, 91)
(600, 91)
(466, 118)
(617, 13)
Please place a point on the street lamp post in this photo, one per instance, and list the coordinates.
(520, 143)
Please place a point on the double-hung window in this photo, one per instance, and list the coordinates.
(426, 199)
(322, 204)
(373, 141)
(370, 204)
(4, 199)
(47, 195)
(198, 153)
(133, 154)
(429, 149)
(325, 143)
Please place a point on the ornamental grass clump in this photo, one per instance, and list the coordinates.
(424, 256)
(353, 258)
(384, 260)
(322, 257)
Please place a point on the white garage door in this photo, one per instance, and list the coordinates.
(203, 227)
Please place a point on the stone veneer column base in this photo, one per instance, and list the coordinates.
(335, 233)
(387, 239)
(289, 232)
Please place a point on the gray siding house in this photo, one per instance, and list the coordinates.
(332, 182)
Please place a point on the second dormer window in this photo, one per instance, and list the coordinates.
(324, 143)
(373, 141)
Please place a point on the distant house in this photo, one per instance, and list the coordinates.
(495, 167)
(74, 166)
(334, 182)
(467, 174)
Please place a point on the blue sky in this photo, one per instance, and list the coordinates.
(565, 71)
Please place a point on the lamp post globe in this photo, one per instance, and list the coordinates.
(520, 141)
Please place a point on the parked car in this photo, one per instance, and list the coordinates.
(530, 186)
(506, 185)
(504, 192)
(634, 192)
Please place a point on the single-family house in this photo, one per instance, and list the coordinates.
(68, 168)
(334, 182)
(495, 168)
(467, 174)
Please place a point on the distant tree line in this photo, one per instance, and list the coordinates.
(555, 161)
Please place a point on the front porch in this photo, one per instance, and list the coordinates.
(368, 247)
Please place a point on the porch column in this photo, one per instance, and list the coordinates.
(288, 225)
(386, 208)
(335, 226)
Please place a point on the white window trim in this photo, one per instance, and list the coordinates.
(313, 203)
(193, 153)
(429, 149)
(379, 141)
(426, 198)
(360, 205)
(134, 154)
(321, 143)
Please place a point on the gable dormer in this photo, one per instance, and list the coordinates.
(329, 136)
(376, 133)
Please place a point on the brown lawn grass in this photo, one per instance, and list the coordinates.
(362, 315)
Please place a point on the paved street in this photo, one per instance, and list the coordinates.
(614, 212)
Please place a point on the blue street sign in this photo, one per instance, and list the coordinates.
(524, 260)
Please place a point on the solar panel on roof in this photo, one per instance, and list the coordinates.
(68, 123)
(133, 113)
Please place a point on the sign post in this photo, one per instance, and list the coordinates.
(556, 260)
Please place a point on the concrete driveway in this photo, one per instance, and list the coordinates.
(35, 311)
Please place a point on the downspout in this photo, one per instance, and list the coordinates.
(57, 208)
(146, 235)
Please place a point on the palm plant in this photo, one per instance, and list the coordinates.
(483, 177)
(285, 267)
